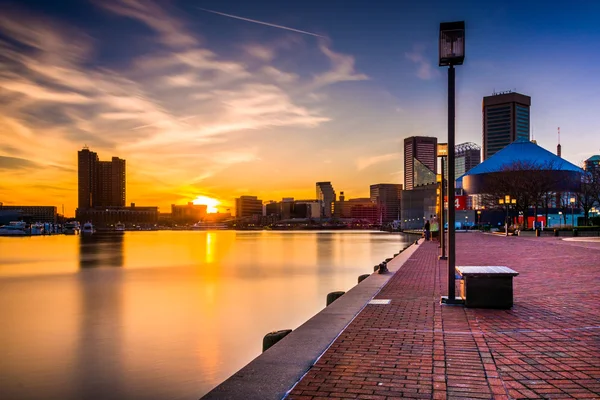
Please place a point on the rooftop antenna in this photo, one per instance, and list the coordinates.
(558, 147)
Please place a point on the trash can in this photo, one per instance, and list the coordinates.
(556, 232)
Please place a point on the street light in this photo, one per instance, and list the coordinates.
(507, 201)
(442, 152)
(572, 201)
(451, 53)
(560, 218)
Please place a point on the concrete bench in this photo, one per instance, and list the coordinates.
(486, 286)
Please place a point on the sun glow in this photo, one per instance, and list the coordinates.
(211, 204)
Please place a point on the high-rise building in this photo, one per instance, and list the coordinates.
(387, 197)
(100, 183)
(248, 206)
(592, 164)
(467, 155)
(505, 119)
(326, 197)
(420, 162)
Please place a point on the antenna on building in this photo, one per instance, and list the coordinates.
(85, 147)
(558, 147)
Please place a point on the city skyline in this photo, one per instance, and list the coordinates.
(202, 104)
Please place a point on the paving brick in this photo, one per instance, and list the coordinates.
(546, 346)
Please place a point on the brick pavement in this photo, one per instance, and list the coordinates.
(546, 347)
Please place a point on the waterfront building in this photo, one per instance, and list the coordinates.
(387, 198)
(30, 213)
(189, 213)
(248, 206)
(289, 208)
(420, 162)
(359, 208)
(467, 156)
(106, 216)
(506, 118)
(326, 197)
(100, 183)
(418, 205)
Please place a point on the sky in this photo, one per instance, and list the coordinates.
(201, 103)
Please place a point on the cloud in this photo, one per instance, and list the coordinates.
(342, 69)
(16, 163)
(201, 111)
(170, 30)
(425, 69)
(366, 162)
(262, 53)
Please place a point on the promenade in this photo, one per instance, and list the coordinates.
(546, 347)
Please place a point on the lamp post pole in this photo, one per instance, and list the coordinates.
(442, 208)
(452, 52)
(451, 205)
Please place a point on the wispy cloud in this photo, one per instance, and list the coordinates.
(425, 69)
(262, 23)
(366, 162)
(201, 111)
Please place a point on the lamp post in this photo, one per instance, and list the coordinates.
(507, 201)
(442, 152)
(572, 201)
(560, 219)
(451, 53)
(479, 219)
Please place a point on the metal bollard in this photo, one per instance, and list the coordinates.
(272, 338)
(383, 268)
(333, 296)
(363, 277)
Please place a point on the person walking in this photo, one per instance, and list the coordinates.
(427, 231)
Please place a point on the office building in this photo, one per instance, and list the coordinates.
(592, 164)
(357, 209)
(467, 155)
(420, 162)
(189, 213)
(326, 197)
(100, 183)
(505, 119)
(248, 206)
(386, 196)
(418, 205)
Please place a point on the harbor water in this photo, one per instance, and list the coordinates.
(161, 314)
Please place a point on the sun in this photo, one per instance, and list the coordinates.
(211, 204)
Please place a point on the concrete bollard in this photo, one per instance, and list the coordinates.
(363, 277)
(333, 296)
(273, 337)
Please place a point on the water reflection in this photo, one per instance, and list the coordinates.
(181, 313)
(101, 250)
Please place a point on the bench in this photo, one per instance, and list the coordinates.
(486, 286)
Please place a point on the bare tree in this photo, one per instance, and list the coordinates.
(528, 182)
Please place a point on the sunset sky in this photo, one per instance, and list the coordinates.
(205, 104)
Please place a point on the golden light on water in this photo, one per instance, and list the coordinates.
(209, 202)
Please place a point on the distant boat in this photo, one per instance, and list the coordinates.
(119, 227)
(18, 228)
(71, 228)
(36, 229)
(208, 226)
(88, 229)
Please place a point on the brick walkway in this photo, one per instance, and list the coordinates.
(546, 347)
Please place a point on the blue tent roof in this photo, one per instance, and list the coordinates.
(522, 150)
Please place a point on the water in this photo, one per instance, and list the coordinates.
(161, 315)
